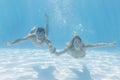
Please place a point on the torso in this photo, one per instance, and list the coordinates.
(34, 38)
(77, 53)
(37, 42)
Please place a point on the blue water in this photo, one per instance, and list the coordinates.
(95, 21)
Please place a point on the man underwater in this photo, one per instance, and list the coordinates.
(38, 36)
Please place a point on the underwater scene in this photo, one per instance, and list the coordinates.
(59, 40)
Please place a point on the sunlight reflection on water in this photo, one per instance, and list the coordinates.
(25, 64)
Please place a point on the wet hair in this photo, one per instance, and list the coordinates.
(40, 29)
(75, 38)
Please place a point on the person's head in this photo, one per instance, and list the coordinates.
(77, 42)
(40, 33)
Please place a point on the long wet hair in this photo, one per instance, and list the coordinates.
(75, 38)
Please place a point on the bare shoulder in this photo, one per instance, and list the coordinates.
(28, 36)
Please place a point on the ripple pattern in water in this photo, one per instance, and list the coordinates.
(33, 64)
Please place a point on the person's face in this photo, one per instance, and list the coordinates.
(40, 35)
(77, 43)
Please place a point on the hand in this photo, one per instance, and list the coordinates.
(57, 54)
(52, 50)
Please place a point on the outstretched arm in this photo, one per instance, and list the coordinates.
(47, 26)
(19, 40)
(68, 46)
(61, 52)
(99, 45)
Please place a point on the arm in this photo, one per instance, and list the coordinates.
(68, 46)
(51, 47)
(99, 45)
(47, 27)
(61, 52)
(33, 30)
(19, 40)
